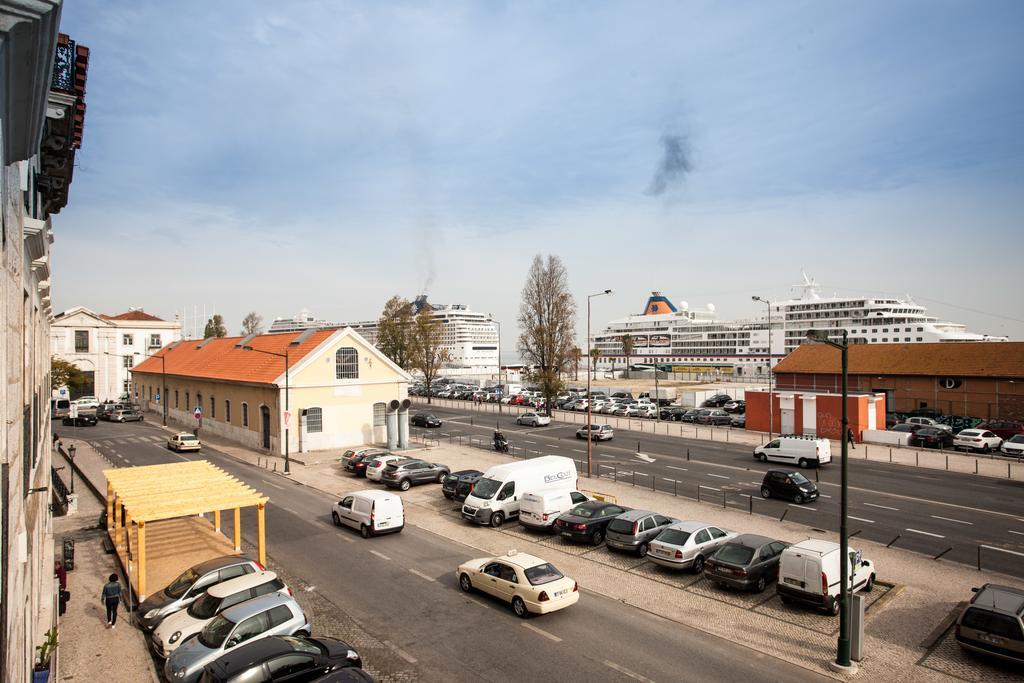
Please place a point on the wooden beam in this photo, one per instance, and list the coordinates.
(110, 507)
(142, 560)
(117, 521)
(187, 508)
(261, 533)
(238, 530)
(216, 520)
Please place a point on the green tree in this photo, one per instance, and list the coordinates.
(594, 355)
(577, 356)
(215, 327)
(252, 323)
(428, 352)
(395, 331)
(65, 374)
(628, 344)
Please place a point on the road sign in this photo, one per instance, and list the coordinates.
(198, 413)
(158, 397)
(287, 417)
(73, 410)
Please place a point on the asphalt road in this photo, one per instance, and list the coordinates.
(930, 511)
(402, 588)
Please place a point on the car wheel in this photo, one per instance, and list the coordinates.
(121, 420)
(497, 519)
(986, 449)
(440, 476)
(596, 538)
(698, 564)
(301, 634)
(760, 585)
(365, 531)
(766, 492)
(763, 458)
(448, 496)
(870, 585)
(798, 499)
(833, 607)
(642, 550)
(519, 607)
(336, 519)
(803, 463)
(464, 583)
(405, 484)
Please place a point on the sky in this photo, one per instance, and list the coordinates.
(327, 155)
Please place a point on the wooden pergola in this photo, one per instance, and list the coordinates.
(183, 489)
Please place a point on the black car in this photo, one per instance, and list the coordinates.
(357, 464)
(588, 521)
(931, 437)
(457, 485)
(689, 415)
(672, 413)
(404, 473)
(85, 420)
(282, 658)
(346, 675)
(717, 401)
(424, 420)
(747, 562)
(788, 484)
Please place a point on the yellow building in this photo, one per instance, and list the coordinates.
(321, 388)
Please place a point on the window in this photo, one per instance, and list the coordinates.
(128, 339)
(346, 364)
(245, 414)
(81, 341)
(227, 410)
(213, 408)
(175, 398)
(289, 664)
(187, 401)
(314, 420)
(150, 393)
(129, 361)
(279, 615)
(379, 414)
(154, 341)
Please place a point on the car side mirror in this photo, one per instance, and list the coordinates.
(232, 641)
(975, 589)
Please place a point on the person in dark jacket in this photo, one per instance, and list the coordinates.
(111, 596)
(849, 437)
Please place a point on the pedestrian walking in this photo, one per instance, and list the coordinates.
(110, 597)
(849, 437)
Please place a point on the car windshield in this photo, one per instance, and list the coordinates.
(216, 632)
(188, 437)
(735, 554)
(300, 645)
(541, 574)
(486, 488)
(1017, 438)
(205, 607)
(674, 536)
(181, 584)
(798, 478)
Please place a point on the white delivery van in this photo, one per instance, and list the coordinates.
(496, 495)
(539, 510)
(809, 572)
(372, 512)
(796, 450)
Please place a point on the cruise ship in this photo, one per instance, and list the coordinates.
(696, 341)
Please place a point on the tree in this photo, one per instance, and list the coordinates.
(428, 352)
(252, 323)
(395, 331)
(65, 374)
(577, 356)
(628, 344)
(215, 327)
(594, 355)
(547, 320)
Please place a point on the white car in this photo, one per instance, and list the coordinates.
(928, 422)
(977, 440)
(375, 468)
(686, 545)
(596, 432)
(529, 583)
(533, 420)
(184, 442)
(1014, 445)
(372, 512)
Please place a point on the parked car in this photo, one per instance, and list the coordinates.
(104, 410)
(457, 485)
(717, 416)
(528, 583)
(674, 413)
(747, 562)
(596, 432)
(1004, 429)
(376, 463)
(687, 545)
(284, 658)
(371, 512)
(533, 420)
(538, 511)
(788, 484)
(906, 428)
(1014, 445)
(993, 623)
(127, 415)
(809, 572)
(928, 422)
(739, 420)
(588, 522)
(495, 497)
(425, 420)
(59, 408)
(797, 450)
(633, 531)
(190, 584)
(690, 415)
(737, 406)
(184, 442)
(977, 440)
(355, 452)
(701, 414)
(717, 401)
(269, 615)
(930, 437)
(80, 420)
(358, 464)
(404, 473)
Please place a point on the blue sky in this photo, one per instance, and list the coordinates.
(274, 156)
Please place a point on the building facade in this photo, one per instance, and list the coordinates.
(812, 413)
(42, 110)
(106, 347)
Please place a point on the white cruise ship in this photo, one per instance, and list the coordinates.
(303, 321)
(696, 341)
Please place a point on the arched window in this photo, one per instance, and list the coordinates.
(213, 407)
(227, 411)
(314, 420)
(245, 414)
(346, 363)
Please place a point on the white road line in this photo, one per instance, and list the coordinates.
(746, 495)
(554, 445)
(422, 575)
(667, 479)
(528, 441)
(625, 474)
(642, 474)
(950, 519)
(883, 507)
(604, 455)
(719, 476)
(580, 450)
(822, 495)
(1018, 533)
(673, 467)
(400, 652)
(861, 519)
(926, 533)
(380, 555)
(478, 603)
(802, 507)
(285, 507)
(626, 672)
(549, 636)
(128, 461)
(712, 488)
(276, 486)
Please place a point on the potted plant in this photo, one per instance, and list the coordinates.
(44, 652)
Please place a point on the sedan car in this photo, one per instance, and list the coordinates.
(717, 416)
(425, 420)
(632, 531)
(931, 437)
(747, 562)
(402, 474)
(1013, 446)
(457, 485)
(184, 442)
(533, 420)
(674, 413)
(977, 440)
(690, 415)
(686, 545)
(528, 583)
(283, 658)
(358, 464)
(190, 584)
(588, 522)
(717, 401)
(127, 415)
(81, 420)
(595, 432)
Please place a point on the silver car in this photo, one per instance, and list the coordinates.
(685, 545)
(270, 615)
(634, 530)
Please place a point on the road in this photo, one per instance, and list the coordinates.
(930, 511)
(402, 588)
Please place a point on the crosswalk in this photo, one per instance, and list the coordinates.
(130, 439)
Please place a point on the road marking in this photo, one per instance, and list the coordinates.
(861, 519)
(822, 495)
(626, 672)
(380, 555)
(719, 476)
(128, 461)
(285, 507)
(601, 455)
(400, 652)
(422, 575)
(276, 486)
(554, 445)
(549, 636)
(645, 457)
(1018, 533)
(802, 507)
(926, 533)
(746, 495)
(625, 474)
(950, 519)
(667, 479)
(477, 603)
(884, 507)
(528, 441)
(673, 467)
(642, 474)
(580, 450)
(709, 487)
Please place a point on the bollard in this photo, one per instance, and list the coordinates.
(638, 446)
(275, 466)
(723, 499)
(634, 477)
(889, 544)
(784, 513)
(470, 420)
(975, 465)
(615, 474)
(750, 501)
(917, 458)
(654, 483)
(674, 482)
(890, 456)
(687, 453)
(1008, 471)
(947, 463)
(698, 493)
(979, 558)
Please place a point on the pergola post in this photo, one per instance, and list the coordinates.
(117, 521)
(110, 507)
(261, 533)
(142, 560)
(216, 521)
(238, 529)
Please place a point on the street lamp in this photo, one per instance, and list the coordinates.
(502, 393)
(71, 457)
(771, 399)
(163, 381)
(843, 647)
(287, 431)
(590, 400)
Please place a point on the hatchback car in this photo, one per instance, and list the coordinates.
(690, 415)
(375, 467)
(424, 420)
(282, 658)
(993, 622)
(358, 464)
(402, 474)
(529, 583)
(1013, 446)
(357, 452)
(687, 545)
(906, 428)
(588, 522)
(457, 485)
(533, 420)
(747, 562)
(977, 440)
(717, 401)
(931, 437)
(184, 442)
(632, 531)
(739, 420)
(127, 415)
(717, 416)
(788, 484)
(596, 432)
(80, 420)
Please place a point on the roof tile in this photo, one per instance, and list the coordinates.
(956, 359)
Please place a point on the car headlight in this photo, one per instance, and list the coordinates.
(180, 673)
(351, 655)
(151, 613)
(485, 504)
(174, 637)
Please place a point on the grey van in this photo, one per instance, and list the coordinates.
(190, 584)
(632, 531)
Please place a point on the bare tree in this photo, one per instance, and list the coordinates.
(577, 356)
(628, 344)
(547, 320)
(252, 323)
(428, 352)
(395, 331)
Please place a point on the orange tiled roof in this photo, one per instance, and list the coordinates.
(219, 359)
(133, 315)
(943, 359)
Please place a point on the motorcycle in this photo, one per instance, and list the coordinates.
(500, 443)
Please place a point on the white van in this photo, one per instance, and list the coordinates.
(809, 572)
(796, 450)
(496, 495)
(539, 510)
(372, 512)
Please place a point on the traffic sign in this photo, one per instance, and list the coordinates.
(158, 397)
(198, 413)
(73, 410)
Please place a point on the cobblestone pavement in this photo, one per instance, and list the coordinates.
(949, 658)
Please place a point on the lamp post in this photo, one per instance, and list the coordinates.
(502, 393)
(590, 400)
(843, 646)
(287, 430)
(771, 398)
(71, 457)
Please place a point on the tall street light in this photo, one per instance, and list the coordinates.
(502, 393)
(771, 399)
(163, 381)
(843, 646)
(287, 431)
(590, 400)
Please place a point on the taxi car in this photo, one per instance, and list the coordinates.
(184, 442)
(530, 584)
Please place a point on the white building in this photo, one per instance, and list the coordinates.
(107, 347)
